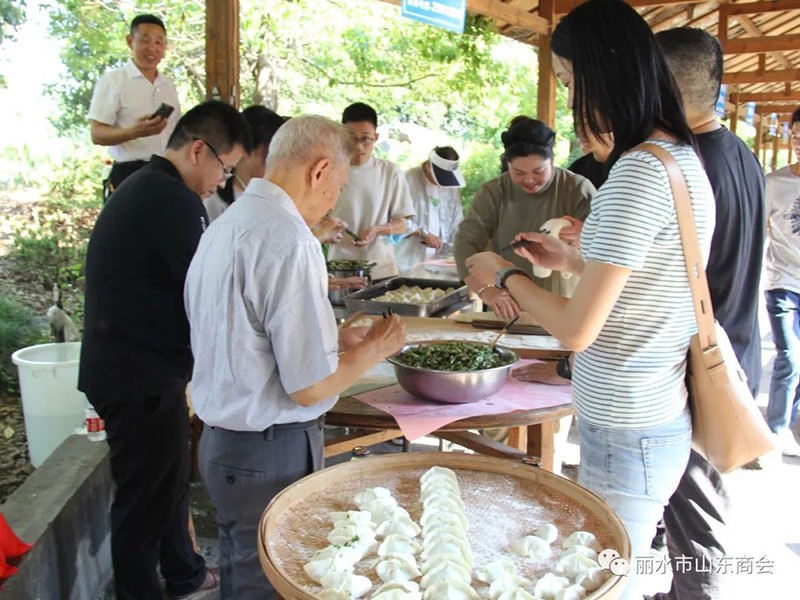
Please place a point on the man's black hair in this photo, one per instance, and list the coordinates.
(357, 112)
(146, 19)
(215, 122)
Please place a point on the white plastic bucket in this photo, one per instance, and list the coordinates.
(52, 405)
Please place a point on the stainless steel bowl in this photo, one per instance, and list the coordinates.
(453, 387)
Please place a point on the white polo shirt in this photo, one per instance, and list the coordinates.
(261, 324)
(123, 96)
(376, 193)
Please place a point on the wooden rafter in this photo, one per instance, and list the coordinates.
(746, 77)
(765, 43)
(751, 8)
(753, 29)
(564, 6)
(781, 109)
(770, 97)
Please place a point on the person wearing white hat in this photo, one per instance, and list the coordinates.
(434, 186)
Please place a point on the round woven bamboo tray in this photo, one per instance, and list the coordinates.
(505, 500)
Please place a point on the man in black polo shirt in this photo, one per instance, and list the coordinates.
(695, 517)
(135, 358)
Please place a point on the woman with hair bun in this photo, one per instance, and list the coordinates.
(530, 193)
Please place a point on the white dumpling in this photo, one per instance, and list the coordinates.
(450, 590)
(549, 585)
(437, 471)
(442, 536)
(548, 532)
(445, 504)
(506, 583)
(532, 547)
(584, 538)
(447, 527)
(458, 518)
(575, 565)
(448, 548)
(346, 581)
(386, 511)
(516, 594)
(401, 586)
(398, 544)
(446, 571)
(434, 495)
(593, 578)
(496, 569)
(344, 533)
(317, 569)
(333, 595)
(371, 494)
(578, 549)
(344, 556)
(394, 568)
(402, 525)
(359, 517)
(438, 561)
(398, 595)
(572, 592)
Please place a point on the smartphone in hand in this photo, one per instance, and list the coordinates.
(165, 110)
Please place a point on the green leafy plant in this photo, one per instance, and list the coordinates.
(19, 328)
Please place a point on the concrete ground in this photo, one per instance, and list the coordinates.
(765, 533)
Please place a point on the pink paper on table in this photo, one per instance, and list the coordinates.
(417, 418)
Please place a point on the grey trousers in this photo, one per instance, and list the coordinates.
(694, 521)
(242, 472)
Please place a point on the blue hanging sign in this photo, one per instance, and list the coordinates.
(750, 113)
(447, 14)
(721, 101)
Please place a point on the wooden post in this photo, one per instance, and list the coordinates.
(222, 51)
(546, 92)
(776, 144)
(757, 141)
(735, 115)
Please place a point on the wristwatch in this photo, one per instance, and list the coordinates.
(563, 369)
(504, 273)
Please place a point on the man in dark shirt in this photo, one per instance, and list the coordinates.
(135, 357)
(695, 517)
(592, 164)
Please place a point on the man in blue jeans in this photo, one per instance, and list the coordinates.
(783, 294)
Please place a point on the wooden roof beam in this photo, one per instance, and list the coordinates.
(752, 8)
(765, 43)
(753, 29)
(769, 97)
(505, 13)
(564, 6)
(745, 77)
(781, 109)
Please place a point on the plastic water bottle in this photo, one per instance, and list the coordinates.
(95, 427)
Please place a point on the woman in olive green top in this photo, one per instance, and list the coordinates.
(522, 199)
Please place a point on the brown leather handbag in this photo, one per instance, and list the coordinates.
(728, 428)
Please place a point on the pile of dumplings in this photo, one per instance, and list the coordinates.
(413, 295)
(432, 560)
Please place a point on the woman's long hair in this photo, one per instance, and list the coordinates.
(621, 80)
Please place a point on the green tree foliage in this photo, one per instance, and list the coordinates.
(12, 15)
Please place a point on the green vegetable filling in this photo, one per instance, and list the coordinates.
(452, 356)
(347, 265)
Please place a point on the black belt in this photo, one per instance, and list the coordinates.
(270, 431)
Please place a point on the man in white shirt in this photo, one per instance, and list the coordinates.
(269, 360)
(376, 202)
(434, 186)
(783, 294)
(135, 108)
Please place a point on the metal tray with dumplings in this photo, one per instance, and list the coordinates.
(364, 300)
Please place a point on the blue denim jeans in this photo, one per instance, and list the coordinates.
(783, 308)
(635, 471)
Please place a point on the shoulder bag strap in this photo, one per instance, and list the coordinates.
(701, 296)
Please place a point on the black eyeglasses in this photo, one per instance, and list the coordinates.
(226, 170)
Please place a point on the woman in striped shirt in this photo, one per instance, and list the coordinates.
(631, 317)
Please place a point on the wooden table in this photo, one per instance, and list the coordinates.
(531, 432)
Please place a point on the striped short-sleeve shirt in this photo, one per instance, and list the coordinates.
(632, 376)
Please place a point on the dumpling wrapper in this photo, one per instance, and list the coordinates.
(575, 565)
(548, 532)
(495, 570)
(398, 595)
(401, 525)
(398, 544)
(447, 571)
(346, 581)
(317, 569)
(346, 533)
(583, 538)
(437, 560)
(448, 548)
(516, 594)
(434, 516)
(549, 585)
(359, 517)
(572, 592)
(370, 494)
(393, 569)
(450, 590)
(532, 547)
(333, 595)
(402, 586)
(447, 526)
(578, 549)
(593, 578)
(506, 583)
